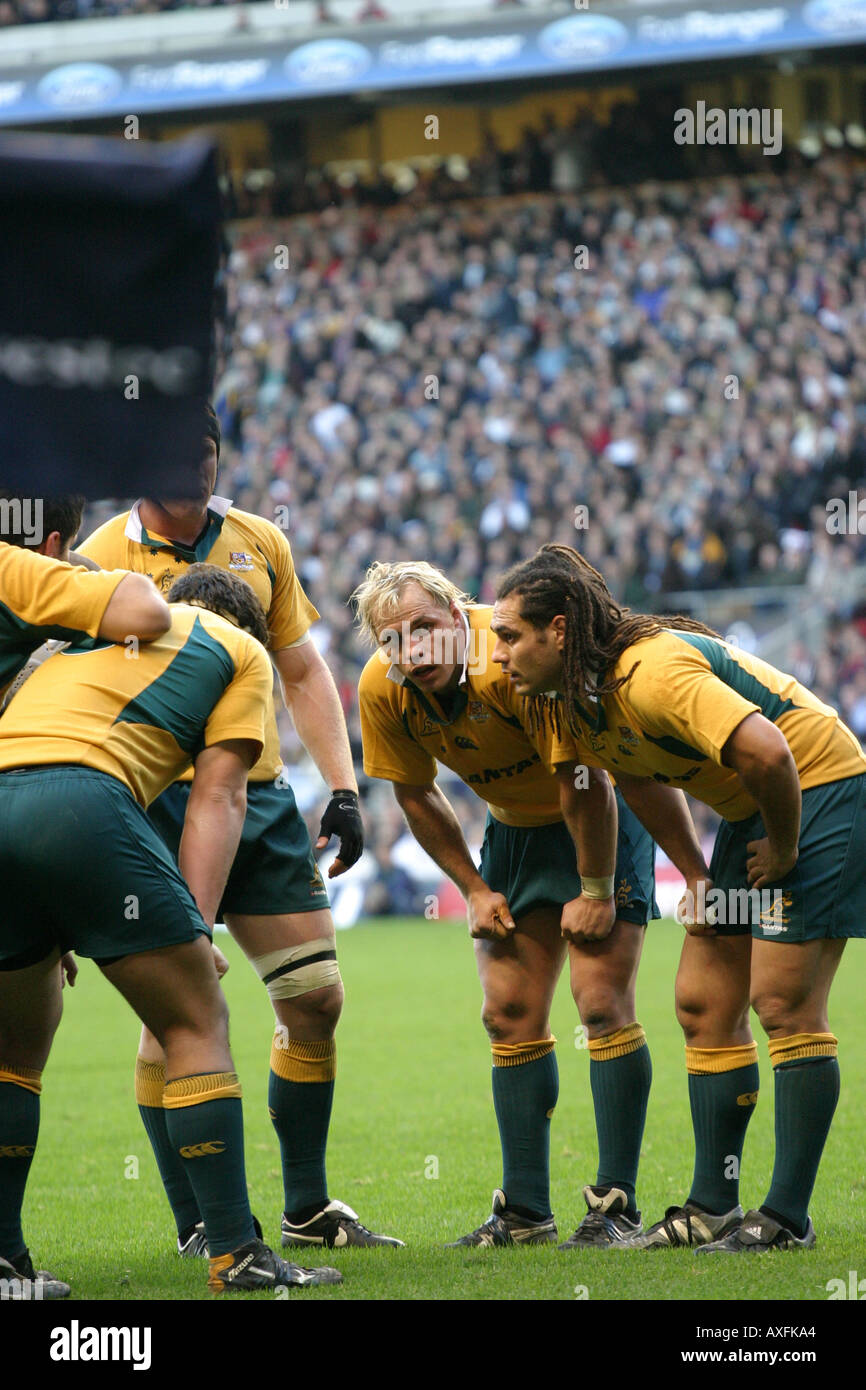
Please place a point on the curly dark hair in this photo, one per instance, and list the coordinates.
(61, 514)
(558, 580)
(223, 593)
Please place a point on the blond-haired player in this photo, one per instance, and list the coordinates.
(431, 694)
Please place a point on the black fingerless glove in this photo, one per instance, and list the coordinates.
(343, 818)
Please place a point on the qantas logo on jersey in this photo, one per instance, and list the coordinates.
(240, 560)
(478, 712)
(492, 774)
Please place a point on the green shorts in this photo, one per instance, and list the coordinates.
(824, 895)
(534, 866)
(274, 871)
(82, 869)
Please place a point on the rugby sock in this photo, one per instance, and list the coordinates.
(300, 1096)
(806, 1076)
(204, 1117)
(19, 1130)
(620, 1073)
(149, 1086)
(525, 1092)
(723, 1092)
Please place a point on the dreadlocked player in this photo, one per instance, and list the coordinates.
(666, 699)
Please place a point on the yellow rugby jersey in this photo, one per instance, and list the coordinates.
(405, 731)
(42, 598)
(141, 718)
(687, 696)
(236, 541)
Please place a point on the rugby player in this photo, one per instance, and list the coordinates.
(275, 903)
(42, 599)
(441, 698)
(90, 739)
(669, 700)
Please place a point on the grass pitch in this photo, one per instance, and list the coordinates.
(414, 1146)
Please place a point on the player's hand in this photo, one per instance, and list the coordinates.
(343, 818)
(693, 911)
(68, 970)
(765, 865)
(587, 919)
(489, 915)
(219, 961)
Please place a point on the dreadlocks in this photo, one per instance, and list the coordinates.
(597, 631)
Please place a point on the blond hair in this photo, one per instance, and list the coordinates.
(380, 590)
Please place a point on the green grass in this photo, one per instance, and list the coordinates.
(413, 1085)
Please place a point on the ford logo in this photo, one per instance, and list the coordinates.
(582, 38)
(80, 86)
(327, 60)
(836, 16)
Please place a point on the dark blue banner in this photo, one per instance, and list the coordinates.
(108, 259)
(519, 45)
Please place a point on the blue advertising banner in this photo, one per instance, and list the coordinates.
(521, 45)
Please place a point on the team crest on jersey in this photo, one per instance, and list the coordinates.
(478, 711)
(240, 560)
(627, 734)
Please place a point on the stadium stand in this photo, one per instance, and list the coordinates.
(439, 380)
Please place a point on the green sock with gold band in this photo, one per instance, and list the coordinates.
(525, 1092)
(723, 1092)
(300, 1096)
(149, 1086)
(20, 1088)
(204, 1117)
(806, 1076)
(620, 1075)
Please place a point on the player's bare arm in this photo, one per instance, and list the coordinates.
(590, 814)
(434, 824)
(664, 812)
(759, 754)
(135, 609)
(313, 702)
(83, 561)
(214, 819)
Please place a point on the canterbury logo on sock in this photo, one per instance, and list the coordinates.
(210, 1146)
(749, 1098)
(17, 1150)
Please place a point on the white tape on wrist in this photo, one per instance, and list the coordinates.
(597, 887)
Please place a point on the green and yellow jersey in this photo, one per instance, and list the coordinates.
(41, 599)
(689, 693)
(236, 541)
(482, 737)
(143, 715)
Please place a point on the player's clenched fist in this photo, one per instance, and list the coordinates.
(698, 916)
(488, 915)
(587, 919)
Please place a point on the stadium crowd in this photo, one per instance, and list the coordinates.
(48, 11)
(671, 376)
